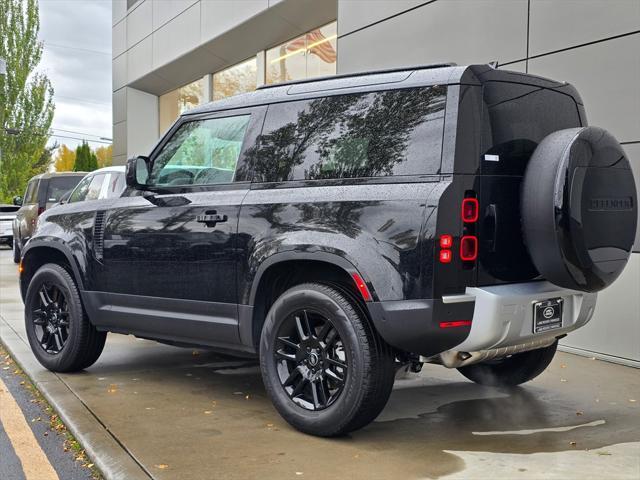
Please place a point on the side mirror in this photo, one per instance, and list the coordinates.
(65, 198)
(17, 200)
(137, 172)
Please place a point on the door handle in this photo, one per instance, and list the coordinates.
(210, 218)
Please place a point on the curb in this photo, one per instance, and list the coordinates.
(113, 460)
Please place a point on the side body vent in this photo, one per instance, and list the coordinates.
(98, 235)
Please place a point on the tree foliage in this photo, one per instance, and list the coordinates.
(65, 159)
(86, 160)
(26, 98)
(105, 156)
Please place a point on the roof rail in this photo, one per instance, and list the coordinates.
(358, 74)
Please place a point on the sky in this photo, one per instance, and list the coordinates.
(77, 59)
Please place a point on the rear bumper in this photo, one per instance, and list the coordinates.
(503, 314)
(502, 318)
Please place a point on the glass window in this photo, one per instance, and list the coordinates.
(395, 132)
(115, 185)
(95, 187)
(310, 55)
(201, 152)
(30, 193)
(58, 186)
(80, 192)
(240, 78)
(172, 104)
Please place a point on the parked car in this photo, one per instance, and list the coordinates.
(107, 182)
(43, 191)
(343, 227)
(7, 215)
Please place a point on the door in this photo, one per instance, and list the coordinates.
(27, 216)
(166, 257)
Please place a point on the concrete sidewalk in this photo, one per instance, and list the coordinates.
(149, 410)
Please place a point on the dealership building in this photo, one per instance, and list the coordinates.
(172, 55)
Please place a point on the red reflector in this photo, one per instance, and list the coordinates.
(456, 323)
(445, 256)
(446, 241)
(362, 287)
(470, 210)
(469, 248)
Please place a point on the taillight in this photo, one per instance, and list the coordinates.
(470, 210)
(469, 248)
(455, 323)
(40, 210)
(445, 256)
(446, 241)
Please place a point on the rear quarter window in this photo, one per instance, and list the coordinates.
(393, 132)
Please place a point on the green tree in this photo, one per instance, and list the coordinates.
(86, 160)
(26, 98)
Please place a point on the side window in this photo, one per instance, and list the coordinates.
(93, 191)
(80, 192)
(201, 152)
(115, 185)
(30, 193)
(394, 132)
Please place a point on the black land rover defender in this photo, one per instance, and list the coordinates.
(341, 227)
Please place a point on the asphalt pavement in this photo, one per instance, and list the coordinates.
(147, 410)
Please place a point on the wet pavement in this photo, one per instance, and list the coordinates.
(192, 414)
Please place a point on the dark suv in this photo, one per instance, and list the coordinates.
(343, 227)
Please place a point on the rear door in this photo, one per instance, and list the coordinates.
(516, 117)
(166, 261)
(28, 214)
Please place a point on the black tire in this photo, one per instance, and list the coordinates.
(513, 370)
(16, 251)
(370, 368)
(83, 344)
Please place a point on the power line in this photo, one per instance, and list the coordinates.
(82, 100)
(77, 133)
(80, 139)
(80, 49)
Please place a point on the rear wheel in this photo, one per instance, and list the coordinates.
(59, 332)
(512, 370)
(324, 367)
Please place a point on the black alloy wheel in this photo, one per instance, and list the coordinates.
(51, 318)
(58, 329)
(311, 360)
(324, 366)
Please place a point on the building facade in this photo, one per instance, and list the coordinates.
(171, 55)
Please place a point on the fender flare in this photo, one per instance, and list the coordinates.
(318, 256)
(60, 247)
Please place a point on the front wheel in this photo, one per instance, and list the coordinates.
(512, 370)
(59, 332)
(324, 367)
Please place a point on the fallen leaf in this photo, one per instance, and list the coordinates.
(89, 465)
(563, 380)
(5, 368)
(269, 425)
(573, 444)
(113, 388)
(162, 466)
(603, 452)
(579, 413)
(299, 473)
(207, 412)
(632, 400)
(563, 366)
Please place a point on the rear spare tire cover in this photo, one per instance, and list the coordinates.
(579, 208)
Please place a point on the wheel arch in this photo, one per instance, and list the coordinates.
(283, 270)
(38, 253)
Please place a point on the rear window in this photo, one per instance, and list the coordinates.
(8, 208)
(30, 193)
(58, 186)
(394, 132)
(516, 119)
